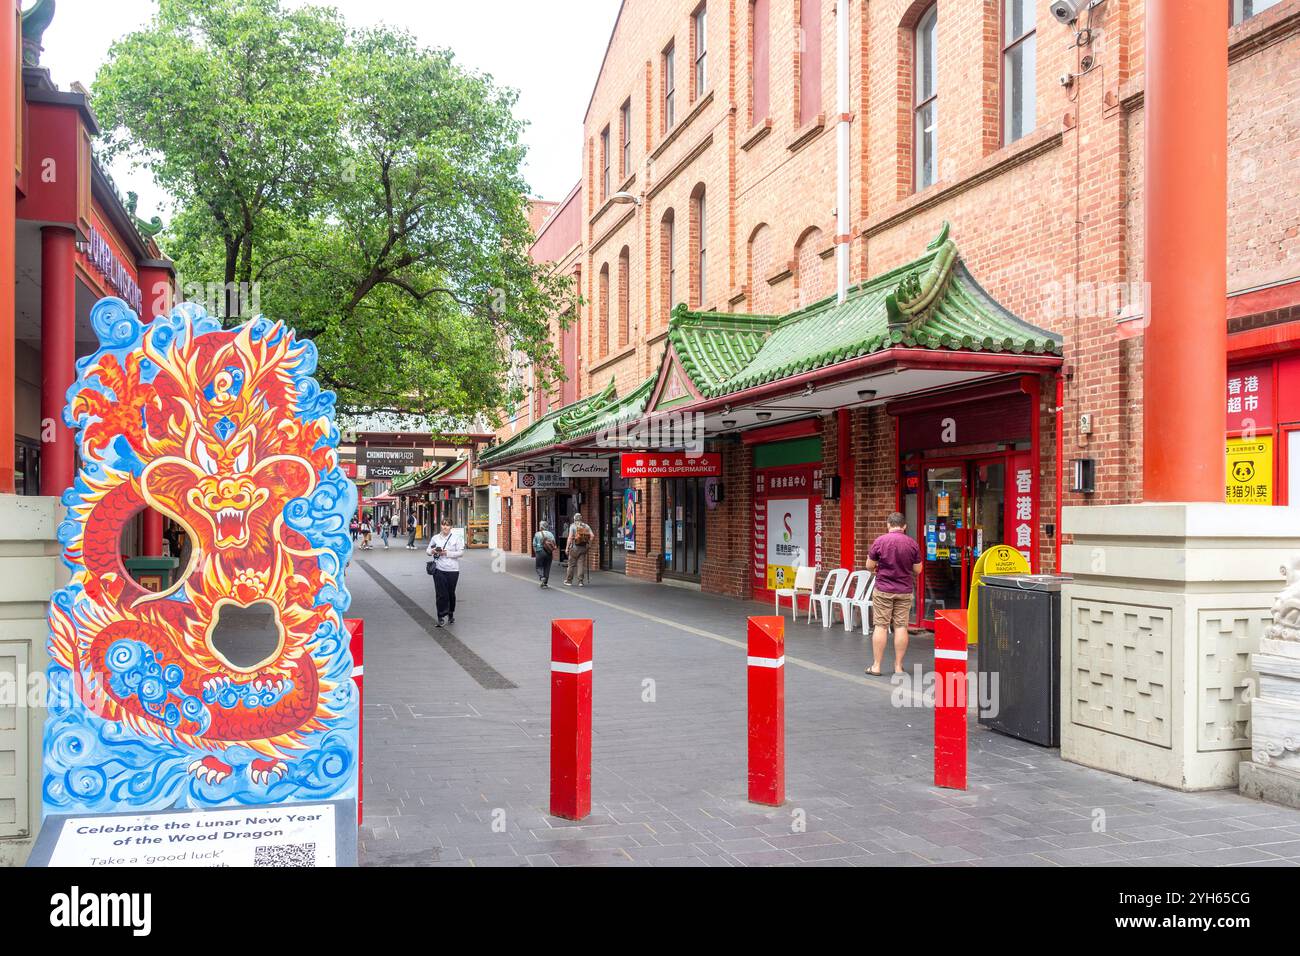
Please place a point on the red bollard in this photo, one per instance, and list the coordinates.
(950, 699)
(767, 710)
(571, 645)
(356, 628)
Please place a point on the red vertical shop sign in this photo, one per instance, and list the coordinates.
(787, 524)
(1022, 507)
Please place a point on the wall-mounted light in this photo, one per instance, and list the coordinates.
(764, 416)
(866, 394)
(809, 388)
(625, 198)
(728, 423)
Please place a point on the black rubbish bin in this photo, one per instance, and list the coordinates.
(1020, 656)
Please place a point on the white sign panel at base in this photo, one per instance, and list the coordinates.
(287, 834)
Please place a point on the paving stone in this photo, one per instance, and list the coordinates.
(457, 729)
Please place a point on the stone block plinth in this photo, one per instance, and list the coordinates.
(1167, 605)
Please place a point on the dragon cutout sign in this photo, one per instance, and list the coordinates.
(225, 432)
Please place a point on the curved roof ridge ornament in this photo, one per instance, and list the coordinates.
(910, 301)
(569, 421)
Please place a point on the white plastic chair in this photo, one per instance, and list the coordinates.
(832, 590)
(854, 591)
(805, 581)
(862, 606)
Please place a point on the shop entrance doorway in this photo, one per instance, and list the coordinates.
(684, 532)
(958, 509)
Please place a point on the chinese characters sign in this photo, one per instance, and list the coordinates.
(1022, 505)
(651, 464)
(1250, 471)
(1249, 404)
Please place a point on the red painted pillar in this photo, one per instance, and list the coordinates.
(9, 79)
(844, 433)
(571, 647)
(767, 710)
(58, 357)
(950, 654)
(156, 293)
(1185, 352)
(356, 629)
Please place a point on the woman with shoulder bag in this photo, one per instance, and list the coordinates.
(544, 548)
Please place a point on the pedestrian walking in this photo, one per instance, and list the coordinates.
(355, 528)
(445, 549)
(895, 557)
(395, 526)
(365, 534)
(410, 531)
(384, 528)
(579, 540)
(544, 548)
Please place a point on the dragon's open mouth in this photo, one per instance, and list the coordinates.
(231, 525)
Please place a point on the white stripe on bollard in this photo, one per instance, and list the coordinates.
(560, 667)
(950, 655)
(767, 661)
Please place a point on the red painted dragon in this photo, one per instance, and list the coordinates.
(209, 430)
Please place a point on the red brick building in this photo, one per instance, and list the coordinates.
(955, 377)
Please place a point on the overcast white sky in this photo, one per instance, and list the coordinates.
(549, 50)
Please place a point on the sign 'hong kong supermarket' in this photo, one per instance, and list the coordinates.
(638, 464)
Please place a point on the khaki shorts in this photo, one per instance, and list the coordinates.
(891, 610)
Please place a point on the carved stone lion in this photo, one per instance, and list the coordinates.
(1286, 607)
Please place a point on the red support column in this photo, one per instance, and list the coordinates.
(844, 433)
(1185, 352)
(356, 629)
(571, 647)
(9, 73)
(950, 654)
(156, 291)
(58, 357)
(767, 710)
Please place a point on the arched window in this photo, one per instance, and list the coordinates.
(925, 87)
(812, 277)
(699, 249)
(602, 306)
(624, 317)
(668, 290)
(758, 269)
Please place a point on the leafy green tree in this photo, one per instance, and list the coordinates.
(391, 226)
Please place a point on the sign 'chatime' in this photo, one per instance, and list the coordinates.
(584, 467)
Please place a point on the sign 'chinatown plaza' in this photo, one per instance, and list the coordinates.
(656, 434)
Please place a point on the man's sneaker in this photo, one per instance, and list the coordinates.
(451, 618)
(439, 624)
(568, 584)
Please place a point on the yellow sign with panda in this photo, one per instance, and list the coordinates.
(1249, 470)
(999, 559)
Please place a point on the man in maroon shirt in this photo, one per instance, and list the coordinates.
(895, 558)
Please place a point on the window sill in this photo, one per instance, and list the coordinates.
(757, 135)
(613, 358)
(809, 133)
(781, 274)
(738, 295)
(671, 136)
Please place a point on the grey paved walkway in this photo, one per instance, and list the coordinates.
(457, 750)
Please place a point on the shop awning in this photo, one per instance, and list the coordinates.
(443, 474)
(924, 326)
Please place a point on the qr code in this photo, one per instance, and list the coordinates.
(287, 854)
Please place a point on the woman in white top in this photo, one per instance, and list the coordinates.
(446, 548)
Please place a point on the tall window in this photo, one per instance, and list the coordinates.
(603, 306)
(604, 162)
(624, 297)
(699, 237)
(810, 60)
(760, 102)
(1019, 61)
(925, 81)
(670, 87)
(668, 263)
(1245, 9)
(701, 32)
(626, 122)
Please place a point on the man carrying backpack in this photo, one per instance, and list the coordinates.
(544, 548)
(580, 539)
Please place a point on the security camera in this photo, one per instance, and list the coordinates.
(1067, 11)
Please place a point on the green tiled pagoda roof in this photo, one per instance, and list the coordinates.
(578, 420)
(402, 482)
(932, 302)
(715, 347)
